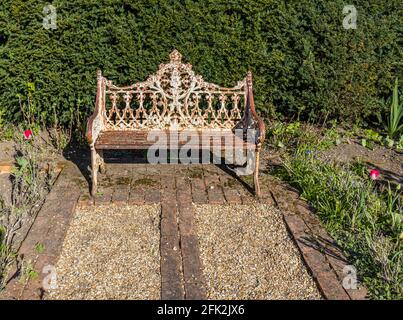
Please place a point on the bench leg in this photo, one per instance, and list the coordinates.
(102, 168)
(256, 173)
(94, 170)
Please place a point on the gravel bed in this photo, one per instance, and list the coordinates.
(247, 253)
(110, 252)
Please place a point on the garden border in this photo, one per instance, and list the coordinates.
(321, 254)
(48, 229)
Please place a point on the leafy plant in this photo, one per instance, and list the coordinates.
(331, 137)
(7, 132)
(372, 135)
(2, 116)
(29, 187)
(366, 221)
(287, 135)
(367, 144)
(359, 168)
(28, 105)
(394, 125)
(389, 143)
(27, 271)
(39, 247)
(370, 138)
(399, 146)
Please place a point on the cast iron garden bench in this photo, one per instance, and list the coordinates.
(173, 100)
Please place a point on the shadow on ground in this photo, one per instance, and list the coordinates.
(81, 157)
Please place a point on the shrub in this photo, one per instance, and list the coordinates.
(304, 61)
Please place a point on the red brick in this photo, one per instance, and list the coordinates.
(137, 191)
(168, 189)
(186, 218)
(104, 195)
(296, 225)
(152, 196)
(171, 261)
(327, 280)
(85, 200)
(214, 190)
(172, 290)
(136, 196)
(183, 190)
(169, 226)
(121, 194)
(246, 196)
(191, 259)
(232, 196)
(199, 194)
(195, 291)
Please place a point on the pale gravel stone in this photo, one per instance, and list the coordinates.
(247, 253)
(111, 252)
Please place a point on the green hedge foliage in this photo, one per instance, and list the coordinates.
(304, 62)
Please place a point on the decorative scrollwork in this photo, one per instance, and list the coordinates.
(173, 97)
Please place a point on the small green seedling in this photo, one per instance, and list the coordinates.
(389, 142)
(39, 247)
(367, 144)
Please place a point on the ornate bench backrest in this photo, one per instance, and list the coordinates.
(173, 98)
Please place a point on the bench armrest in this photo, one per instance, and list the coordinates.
(95, 123)
(251, 120)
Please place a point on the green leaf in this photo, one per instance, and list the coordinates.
(39, 247)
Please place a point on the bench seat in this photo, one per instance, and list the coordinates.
(137, 139)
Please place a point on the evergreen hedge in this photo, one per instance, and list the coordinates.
(304, 62)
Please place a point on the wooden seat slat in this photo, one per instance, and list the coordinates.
(138, 140)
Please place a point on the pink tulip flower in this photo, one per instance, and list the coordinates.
(27, 134)
(374, 174)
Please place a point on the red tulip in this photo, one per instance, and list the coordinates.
(374, 174)
(27, 134)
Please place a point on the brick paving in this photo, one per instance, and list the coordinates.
(180, 187)
(176, 188)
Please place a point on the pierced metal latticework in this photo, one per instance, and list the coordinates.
(173, 98)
